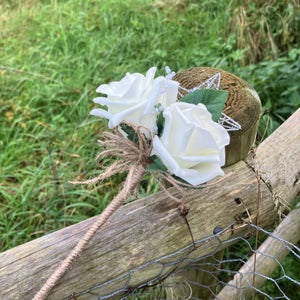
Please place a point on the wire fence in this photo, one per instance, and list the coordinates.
(234, 270)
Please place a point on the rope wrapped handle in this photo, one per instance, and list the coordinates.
(131, 157)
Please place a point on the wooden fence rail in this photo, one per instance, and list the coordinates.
(150, 228)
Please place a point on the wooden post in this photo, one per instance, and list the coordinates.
(150, 228)
(242, 105)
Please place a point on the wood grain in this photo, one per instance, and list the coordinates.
(150, 228)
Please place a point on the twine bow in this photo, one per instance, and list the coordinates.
(131, 157)
(126, 152)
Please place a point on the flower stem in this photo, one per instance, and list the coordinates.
(134, 176)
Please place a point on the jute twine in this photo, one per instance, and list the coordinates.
(131, 157)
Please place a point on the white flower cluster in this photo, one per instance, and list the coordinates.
(191, 146)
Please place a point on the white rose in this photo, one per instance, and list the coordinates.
(192, 145)
(133, 99)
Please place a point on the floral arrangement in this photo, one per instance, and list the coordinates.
(179, 141)
(187, 140)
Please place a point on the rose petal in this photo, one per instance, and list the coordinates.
(101, 113)
(222, 157)
(104, 89)
(149, 78)
(201, 142)
(157, 87)
(183, 128)
(171, 93)
(160, 150)
(133, 115)
(134, 92)
(200, 174)
(218, 132)
(108, 101)
(120, 87)
(221, 135)
(192, 161)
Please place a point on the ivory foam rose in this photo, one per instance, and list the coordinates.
(134, 98)
(192, 145)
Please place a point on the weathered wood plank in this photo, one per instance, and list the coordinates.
(150, 228)
(278, 159)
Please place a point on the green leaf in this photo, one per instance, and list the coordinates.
(160, 121)
(131, 134)
(157, 165)
(214, 100)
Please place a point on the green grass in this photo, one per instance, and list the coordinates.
(54, 54)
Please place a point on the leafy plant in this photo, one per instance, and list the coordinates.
(214, 100)
(53, 54)
(277, 83)
(264, 29)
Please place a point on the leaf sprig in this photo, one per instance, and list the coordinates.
(214, 100)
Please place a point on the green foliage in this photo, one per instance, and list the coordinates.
(53, 54)
(213, 99)
(272, 28)
(131, 133)
(277, 83)
(160, 121)
(157, 165)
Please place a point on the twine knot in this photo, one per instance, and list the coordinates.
(126, 152)
(133, 156)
